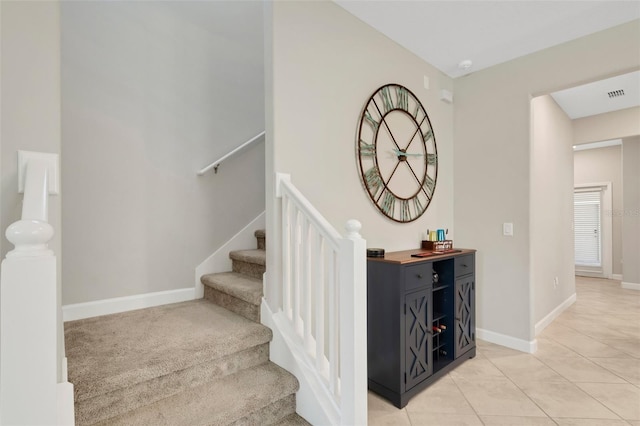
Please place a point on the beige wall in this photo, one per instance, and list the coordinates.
(631, 212)
(30, 101)
(551, 201)
(152, 93)
(605, 165)
(326, 64)
(612, 125)
(492, 173)
(30, 115)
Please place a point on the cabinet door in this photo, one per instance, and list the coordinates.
(465, 315)
(418, 356)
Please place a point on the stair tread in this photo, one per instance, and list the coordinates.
(219, 402)
(256, 256)
(116, 351)
(235, 284)
(293, 420)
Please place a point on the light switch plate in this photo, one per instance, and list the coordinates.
(507, 229)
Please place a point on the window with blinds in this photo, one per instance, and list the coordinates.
(588, 235)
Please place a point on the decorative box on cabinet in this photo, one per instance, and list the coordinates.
(421, 320)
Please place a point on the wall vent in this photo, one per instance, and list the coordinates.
(615, 93)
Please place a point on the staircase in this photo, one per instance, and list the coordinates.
(202, 362)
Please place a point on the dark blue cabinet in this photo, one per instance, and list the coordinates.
(421, 320)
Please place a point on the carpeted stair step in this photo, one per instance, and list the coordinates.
(236, 292)
(125, 361)
(260, 395)
(249, 262)
(293, 420)
(260, 235)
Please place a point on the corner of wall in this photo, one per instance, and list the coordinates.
(219, 261)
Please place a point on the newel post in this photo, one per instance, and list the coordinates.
(29, 304)
(353, 326)
(38, 178)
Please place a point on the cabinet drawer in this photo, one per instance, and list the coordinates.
(464, 265)
(418, 276)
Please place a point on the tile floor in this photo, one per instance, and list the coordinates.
(586, 372)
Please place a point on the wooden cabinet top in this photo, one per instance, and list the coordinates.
(405, 256)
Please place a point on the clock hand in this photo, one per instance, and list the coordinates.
(406, 154)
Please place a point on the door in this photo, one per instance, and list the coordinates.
(588, 229)
(418, 356)
(465, 333)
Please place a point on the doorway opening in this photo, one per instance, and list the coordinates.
(593, 230)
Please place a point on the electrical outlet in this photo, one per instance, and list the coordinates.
(555, 283)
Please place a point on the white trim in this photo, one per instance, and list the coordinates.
(589, 273)
(617, 277)
(594, 145)
(64, 375)
(607, 231)
(630, 286)
(123, 304)
(66, 414)
(219, 261)
(548, 319)
(312, 401)
(508, 341)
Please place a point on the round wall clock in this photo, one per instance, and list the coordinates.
(397, 153)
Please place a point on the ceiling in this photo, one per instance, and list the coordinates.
(599, 97)
(487, 33)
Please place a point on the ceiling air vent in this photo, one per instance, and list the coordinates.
(615, 93)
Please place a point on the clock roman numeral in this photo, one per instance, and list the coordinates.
(366, 149)
(429, 185)
(372, 121)
(405, 212)
(428, 135)
(403, 98)
(388, 203)
(386, 99)
(417, 205)
(373, 180)
(432, 159)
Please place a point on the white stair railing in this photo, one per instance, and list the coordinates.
(324, 301)
(33, 384)
(214, 165)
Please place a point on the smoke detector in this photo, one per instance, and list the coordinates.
(615, 93)
(465, 65)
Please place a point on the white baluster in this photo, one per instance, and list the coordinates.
(286, 256)
(353, 331)
(319, 302)
(333, 325)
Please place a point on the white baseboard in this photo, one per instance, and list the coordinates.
(630, 286)
(508, 341)
(617, 277)
(219, 261)
(66, 414)
(548, 319)
(590, 274)
(122, 304)
(311, 401)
